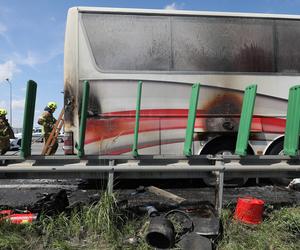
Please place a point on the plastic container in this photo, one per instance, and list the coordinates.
(249, 210)
(22, 218)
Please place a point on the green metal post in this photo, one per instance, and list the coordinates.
(28, 119)
(137, 120)
(83, 117)
(187, 150)
(292, 128)
(245, 120)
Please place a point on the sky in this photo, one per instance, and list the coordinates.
(32, 40)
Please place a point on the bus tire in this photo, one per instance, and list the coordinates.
(222, 145)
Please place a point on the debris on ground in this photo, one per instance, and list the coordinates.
(194, 241)
(294, 184)
(184, 226)
(51, 204)
(17, 217)
(48, 205)
(165, 194)
(113, 223)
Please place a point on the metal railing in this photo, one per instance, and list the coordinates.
(186, 165)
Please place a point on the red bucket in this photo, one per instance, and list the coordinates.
(249, 210)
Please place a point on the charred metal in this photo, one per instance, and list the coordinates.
(221, 113)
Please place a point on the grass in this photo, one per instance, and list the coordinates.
(279, 230)
(103, 226)
(100, 226)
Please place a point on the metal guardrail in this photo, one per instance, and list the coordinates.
(158, 166)
(151, 168)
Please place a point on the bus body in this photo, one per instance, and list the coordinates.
(169, 51)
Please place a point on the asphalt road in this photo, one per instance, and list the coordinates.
(18, 193)
(37, 148)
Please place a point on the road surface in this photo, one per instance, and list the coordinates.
(36, 149)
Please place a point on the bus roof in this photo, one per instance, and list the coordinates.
(182, 12)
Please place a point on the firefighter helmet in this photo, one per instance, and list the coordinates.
(3, 112)
(52, 105)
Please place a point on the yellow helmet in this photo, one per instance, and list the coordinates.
(52, 105)
(3, 112)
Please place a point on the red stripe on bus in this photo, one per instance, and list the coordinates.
(100, 129)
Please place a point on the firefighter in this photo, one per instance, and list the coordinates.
(6, 132)
(47, 121)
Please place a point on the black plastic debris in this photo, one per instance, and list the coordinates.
(51, 204)
(161, 232)
(194, 241)
(200, 227)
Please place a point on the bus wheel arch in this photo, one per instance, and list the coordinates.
(275, 146)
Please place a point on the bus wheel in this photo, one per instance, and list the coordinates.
(277, 149)
(222, 146)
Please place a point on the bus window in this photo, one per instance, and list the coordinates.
(288, 36)
(129, 42)
(180, 43)
(222, 44)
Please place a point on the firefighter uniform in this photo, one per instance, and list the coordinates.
(47, 121)
(6, 133)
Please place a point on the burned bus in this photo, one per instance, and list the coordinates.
(170, 50)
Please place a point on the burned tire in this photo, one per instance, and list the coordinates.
(225, 146)
(277, 149)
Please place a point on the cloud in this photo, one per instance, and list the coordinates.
(7, 70)
(33, 59)
(173, 6)
(18, 104)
